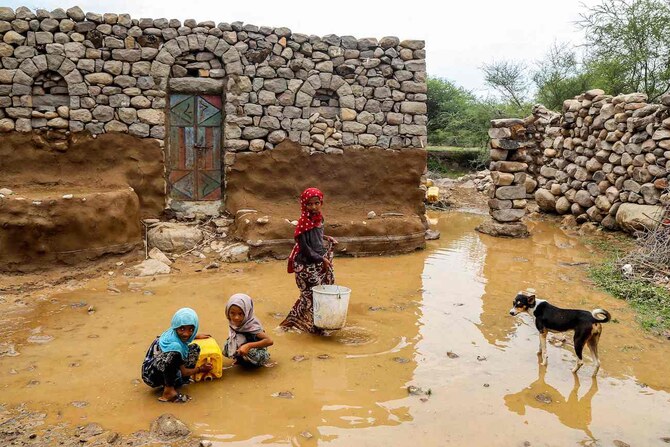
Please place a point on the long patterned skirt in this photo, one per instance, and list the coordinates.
(307, 276)
(162, 368)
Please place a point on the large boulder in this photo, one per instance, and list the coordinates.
(174, 238)
(167, 427)
(545, 200)
(497, 229)
(235, 253)
(563, 205)
(632, 217)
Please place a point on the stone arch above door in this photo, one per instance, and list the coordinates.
(165, 59)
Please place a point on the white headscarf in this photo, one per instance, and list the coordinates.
(250, 324)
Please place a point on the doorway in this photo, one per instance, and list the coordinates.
(194, 149)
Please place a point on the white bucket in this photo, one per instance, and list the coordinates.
(330, 306)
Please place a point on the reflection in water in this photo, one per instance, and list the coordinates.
(574, 412)
(345, 381)
(436, 319)
(541, 262)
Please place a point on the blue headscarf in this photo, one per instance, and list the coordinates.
(170, 341)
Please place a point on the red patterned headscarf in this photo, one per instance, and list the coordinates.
(306, 222)
(307, 219)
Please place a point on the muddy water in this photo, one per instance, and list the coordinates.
(436, 319)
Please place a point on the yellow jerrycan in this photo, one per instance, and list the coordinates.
(210, 352)
(433, 194)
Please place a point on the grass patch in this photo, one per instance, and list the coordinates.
(451, 149)
(650, 301)
(455, 162)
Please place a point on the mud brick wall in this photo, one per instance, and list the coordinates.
(599, 153)
(101, 73)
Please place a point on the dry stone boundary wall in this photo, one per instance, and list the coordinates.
(70, 71)
(603, 154)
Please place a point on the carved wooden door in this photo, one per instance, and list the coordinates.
(194, 147)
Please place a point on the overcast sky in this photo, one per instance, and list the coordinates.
(460, 35)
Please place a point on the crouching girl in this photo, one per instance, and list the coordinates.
(171, 358)
(247, 342)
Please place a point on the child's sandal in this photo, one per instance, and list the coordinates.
(178, 399)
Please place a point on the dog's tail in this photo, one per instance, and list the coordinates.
(601, 315)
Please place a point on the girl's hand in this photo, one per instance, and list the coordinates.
(243, 350)
(332, 240)
(205, 368)
(326, 263)
(202, 336)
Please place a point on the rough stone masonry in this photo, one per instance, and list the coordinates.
(604, 159)
(75, 71)
(90, 105)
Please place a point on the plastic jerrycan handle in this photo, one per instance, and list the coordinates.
(208, 374)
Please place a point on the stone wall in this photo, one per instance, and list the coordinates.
(511, 185)
(75, 71)
(600, 154)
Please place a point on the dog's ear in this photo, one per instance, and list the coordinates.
(531, 300)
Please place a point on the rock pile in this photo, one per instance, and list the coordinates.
(604, 151)
(481, 179)
(599, 153)
(511, 183)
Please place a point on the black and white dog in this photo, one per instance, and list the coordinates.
(548, 318)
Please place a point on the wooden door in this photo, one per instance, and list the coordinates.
(194, 147)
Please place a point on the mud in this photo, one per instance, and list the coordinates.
(354, 183)
(80, 161)
(72, 196)
(43, 226)
(430, 354)
(358, 180)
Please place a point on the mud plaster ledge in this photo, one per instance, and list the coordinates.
(354, 183)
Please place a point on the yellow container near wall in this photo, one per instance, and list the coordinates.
(210, 352)
(433, 194)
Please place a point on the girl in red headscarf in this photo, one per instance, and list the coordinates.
(311, 260)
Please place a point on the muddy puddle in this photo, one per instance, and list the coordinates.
(436, 321)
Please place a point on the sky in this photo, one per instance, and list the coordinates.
(460, 36)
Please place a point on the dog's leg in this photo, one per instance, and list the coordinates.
(543, 348)
(593, 347)
(580, 340)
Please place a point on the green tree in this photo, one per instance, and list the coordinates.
(628, 46)
(509, 79)
(451, 115)
(560, 76)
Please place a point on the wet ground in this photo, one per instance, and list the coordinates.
(436, 321)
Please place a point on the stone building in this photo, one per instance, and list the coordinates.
(106, 119)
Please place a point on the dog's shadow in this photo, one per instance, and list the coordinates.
(573, 411)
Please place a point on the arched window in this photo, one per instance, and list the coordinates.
(49, 91)
(326, 102)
